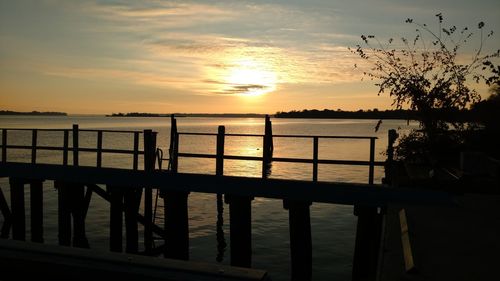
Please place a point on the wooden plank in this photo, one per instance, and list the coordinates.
(405, 242)
(64, 263)
(18, 209)
(36, 211)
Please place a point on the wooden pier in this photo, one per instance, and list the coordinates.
(125, 188)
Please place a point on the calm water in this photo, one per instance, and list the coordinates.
(333, 226)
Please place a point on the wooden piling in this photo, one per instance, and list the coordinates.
(267, 148)
(131, 207)
(116, 219)
(149, 165)
(367, 247)
(18, 209)
(176, 225)
(36, 210)
(174, 146)
(300, 239)
(64, 214)
(240, 219)
(77, 201)
(219, 171)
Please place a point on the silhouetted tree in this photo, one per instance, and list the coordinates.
(427, 74)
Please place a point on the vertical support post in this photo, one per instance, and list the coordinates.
(4, 145)
(75, 145)
(131, 207)
(219, 171)
(18, 210)
(300, 239)
(77, 199)
(149, 165)
(34, 134)
(267, 148)
(240, 218)
(116, 219)
(135, 161)
(391, 139)
(7, 216)
(64, 214)
(372, 161)
(176, 225)
(315, 158)
(65, 147)
(36, 211)
(174, 145)
(99, 149)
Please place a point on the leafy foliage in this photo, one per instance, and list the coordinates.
(429, 74)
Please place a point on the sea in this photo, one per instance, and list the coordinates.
(333, 226)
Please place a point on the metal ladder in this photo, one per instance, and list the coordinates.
(158, 203)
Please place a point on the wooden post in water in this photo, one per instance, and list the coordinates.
(132, 200)
(36, 210)
(64, 214)
(300, 239)
(368, 233)
(116, 219)
(219, 171)
(176, 209)
(149, 165)
(240, 219)
(18, 209)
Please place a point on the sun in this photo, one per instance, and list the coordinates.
(249, 78)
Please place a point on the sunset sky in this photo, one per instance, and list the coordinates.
(204, 56)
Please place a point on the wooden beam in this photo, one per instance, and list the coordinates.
(36, 211)
(7, 215)
(18, 209)
(64, 263)
(325, 192)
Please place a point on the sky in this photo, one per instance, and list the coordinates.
(101, 57)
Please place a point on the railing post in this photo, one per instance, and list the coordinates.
(4, 145)
(34, 134)
(75, 145)
(18, 209)
(391, 139)
(65, 147)
(368, 233)
(149, 166)
(135, 160)
(315, 159)
(99, 149)
(267, 148)
(372, 161)
(174, 145)
(175, 208)
(36, 210)
(219, 171)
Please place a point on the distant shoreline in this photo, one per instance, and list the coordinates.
(32, 113)
(228, 115)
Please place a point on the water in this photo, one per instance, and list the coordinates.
(333, 226)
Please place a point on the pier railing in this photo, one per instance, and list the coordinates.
(124, 188)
